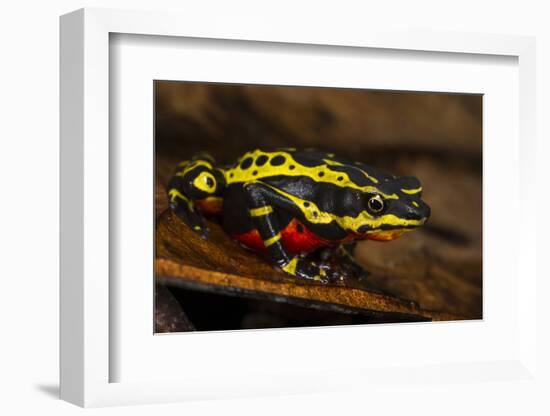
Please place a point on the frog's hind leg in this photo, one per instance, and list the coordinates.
(261, 201)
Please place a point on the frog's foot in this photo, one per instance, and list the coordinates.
(187, 213)
(341, 262)
(305, 269)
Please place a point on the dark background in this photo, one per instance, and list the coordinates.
(436, 137)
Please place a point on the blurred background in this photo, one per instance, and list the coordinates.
(436, 137)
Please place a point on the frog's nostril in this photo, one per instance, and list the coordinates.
(412, 214)
(418, 213)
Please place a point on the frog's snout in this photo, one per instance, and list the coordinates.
(427, 211)
(418, 211)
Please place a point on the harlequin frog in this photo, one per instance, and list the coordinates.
(289, 202)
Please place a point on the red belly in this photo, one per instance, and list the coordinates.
(296, 239)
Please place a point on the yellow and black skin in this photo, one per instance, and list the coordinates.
(287, 203)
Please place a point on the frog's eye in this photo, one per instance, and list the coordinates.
(205, 182)
(375, 204)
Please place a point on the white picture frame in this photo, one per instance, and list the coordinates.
(87, 302)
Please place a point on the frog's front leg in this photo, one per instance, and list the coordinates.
(262, 200)
(186, 210)
(341, 260)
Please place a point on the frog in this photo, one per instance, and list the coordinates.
(288, 203)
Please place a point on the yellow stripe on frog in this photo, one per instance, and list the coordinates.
(259, 212)
(411, 191)
(272, 240)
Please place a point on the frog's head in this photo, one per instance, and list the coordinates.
(392, 207)
(198, 178)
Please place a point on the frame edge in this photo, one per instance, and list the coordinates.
(71, 220)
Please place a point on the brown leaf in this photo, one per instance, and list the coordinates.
(219, 264)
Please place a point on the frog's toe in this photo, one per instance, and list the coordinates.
(312, 271)
(332, 274)
(198, 225)
(193, 220)
(354, 271)
(202, 231)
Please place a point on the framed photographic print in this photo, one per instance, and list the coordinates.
(279, 213)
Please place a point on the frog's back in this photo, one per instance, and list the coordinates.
(313, 164)
(260, 164)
